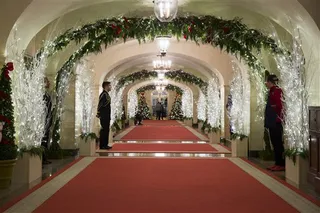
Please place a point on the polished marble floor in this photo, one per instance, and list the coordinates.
(48, 170)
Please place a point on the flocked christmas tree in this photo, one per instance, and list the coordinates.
(176, 111)
(143, 108)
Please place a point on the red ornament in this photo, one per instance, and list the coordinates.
(113, 26)
(6, 74)
(9, 66)
(190, 29)
(4, 141)
(226, 29)
(185, 36)
(5, 119)
(3, 95)
(119, 30)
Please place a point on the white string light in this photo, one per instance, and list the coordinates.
(213, 103)
(187, 104)
(293, 84)
(132, 103)
(28, 97)
(202, 107)
(116, 100)
(84, 98)
(240, 106)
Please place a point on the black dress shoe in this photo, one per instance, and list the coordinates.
(109, 147)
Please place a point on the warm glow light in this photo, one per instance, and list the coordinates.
(165, 10)
(162, 64)
(160, 75)
(163, 43)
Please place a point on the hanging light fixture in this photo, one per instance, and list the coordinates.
(165, 10)
(161, 75)
(163, 44)
(162, 64)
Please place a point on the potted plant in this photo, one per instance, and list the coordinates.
(8, 149)
(214, 135)
(239, 145)
(87, 144)
(297, 165)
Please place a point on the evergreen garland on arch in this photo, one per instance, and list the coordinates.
(175, 75)
(171, 87)
(231, 36)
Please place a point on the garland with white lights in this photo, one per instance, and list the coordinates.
(171, 87)
(176, 75)
(231, 36)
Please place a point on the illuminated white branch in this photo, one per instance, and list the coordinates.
(28, 97)
(240, 106)
(84, 98)
(116, 100)
(132, 103)
(293, 84)
(202, 107)
(187, 104)
(213, 104)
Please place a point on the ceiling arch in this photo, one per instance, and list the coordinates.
(206, 56)
(144, 61)
(278, 11)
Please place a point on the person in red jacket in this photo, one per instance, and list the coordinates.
(273, 122)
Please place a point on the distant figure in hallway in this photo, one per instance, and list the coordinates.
(138, 117)
(273, 122)
(104, 114)
(48, 113)
(158, 110)
(162, 111)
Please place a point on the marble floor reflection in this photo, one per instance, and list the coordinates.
(162, 154)
(16, 190)
(307, 188)
(152, 141)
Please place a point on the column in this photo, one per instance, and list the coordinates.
(225, 94)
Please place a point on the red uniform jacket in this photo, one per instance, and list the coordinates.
(275, 101)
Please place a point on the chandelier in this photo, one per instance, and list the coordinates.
(163, 44)
(162, 64)
(165, 10)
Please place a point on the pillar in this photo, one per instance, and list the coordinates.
(225, 94)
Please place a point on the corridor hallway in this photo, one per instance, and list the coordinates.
(158, 176)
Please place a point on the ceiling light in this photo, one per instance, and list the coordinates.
(163, 44)
(165, 10)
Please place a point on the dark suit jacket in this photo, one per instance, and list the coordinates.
(104, 106)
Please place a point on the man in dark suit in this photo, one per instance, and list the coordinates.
(104, 114)
(273, 122)
(48, 112)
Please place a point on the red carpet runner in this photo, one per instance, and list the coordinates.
(161, 123)
(164, 186)
(161, 147)
(161, 130)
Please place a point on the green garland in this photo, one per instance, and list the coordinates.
(231, 36)
(176, 75)
(171, 87)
